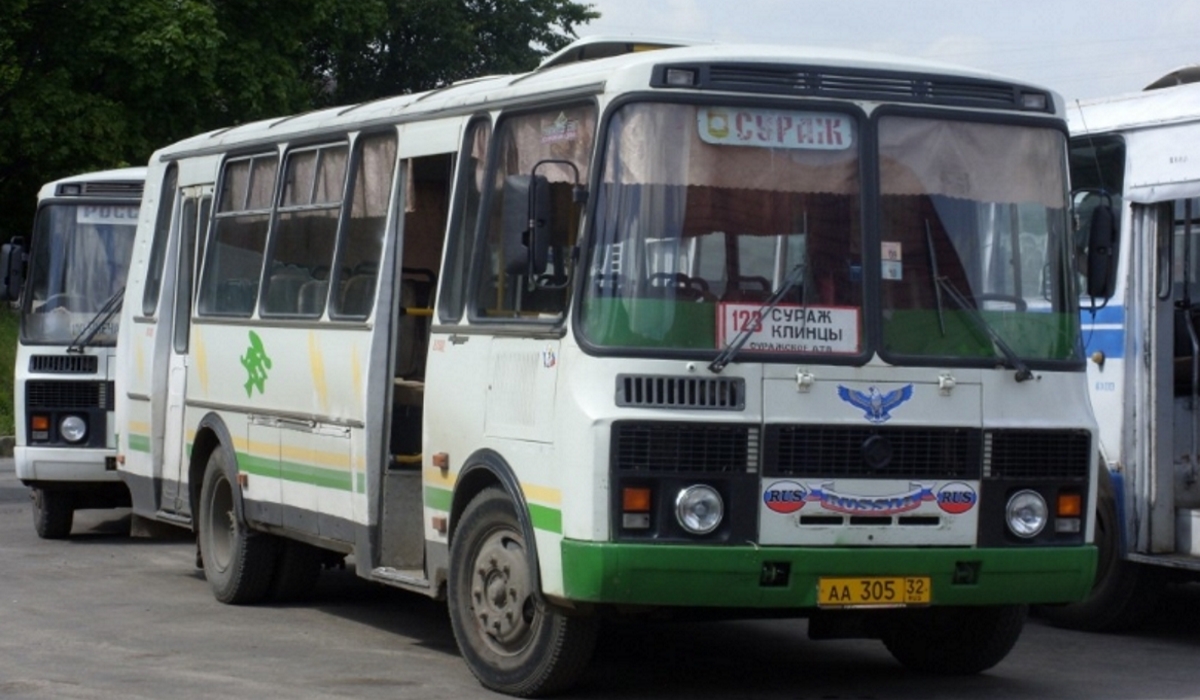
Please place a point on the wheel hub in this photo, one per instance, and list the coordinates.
(503, 605)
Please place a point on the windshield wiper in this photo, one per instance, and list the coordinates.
(93, 326)
(981, 323)
(734, 346)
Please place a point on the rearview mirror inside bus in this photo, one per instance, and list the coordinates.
(12, 267)
(1101, 254)
(526, 224)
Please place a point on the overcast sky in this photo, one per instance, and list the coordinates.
(1080, 48)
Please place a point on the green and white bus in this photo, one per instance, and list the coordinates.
(69, 284)
(736, 328)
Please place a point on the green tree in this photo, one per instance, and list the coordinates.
(102, 83)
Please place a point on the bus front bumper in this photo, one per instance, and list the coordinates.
(748, 576)
(39, 464)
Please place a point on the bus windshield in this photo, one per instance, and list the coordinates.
(78, 260)
(703, 211)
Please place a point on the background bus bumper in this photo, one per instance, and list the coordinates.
(64, 464)
(691, 575)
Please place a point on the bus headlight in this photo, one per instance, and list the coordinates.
(699, 509)
(1026, 513)
(72, 429)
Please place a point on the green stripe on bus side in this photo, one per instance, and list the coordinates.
(543, 517)
(299, 473)
(139, 443)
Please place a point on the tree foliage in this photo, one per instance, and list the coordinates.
(102, 83)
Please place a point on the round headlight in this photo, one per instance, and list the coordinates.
(1026, 513)
(72, 429)
(699, 509)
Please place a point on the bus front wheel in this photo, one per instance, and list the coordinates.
(954, 641)
(53, 513)
(511, 640)
(238, 562)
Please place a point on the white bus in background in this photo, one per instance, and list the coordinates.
(701, 327)
(1135, 174)
(69, 283)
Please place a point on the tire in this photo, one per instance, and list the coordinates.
(512, 641)
(53, 513)
(296, 571)
(1124, 593)
(238, 562)
(954, 641)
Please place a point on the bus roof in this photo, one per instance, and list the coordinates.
(1136, 110)
(571, 72)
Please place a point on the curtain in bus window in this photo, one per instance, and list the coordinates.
(970, 160)
(356, 272)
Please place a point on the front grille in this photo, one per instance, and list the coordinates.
(1038, 454)
(651, 391)
(69, 395)
(64, 364)
(837, 451)
(825, 81)
(707, 448)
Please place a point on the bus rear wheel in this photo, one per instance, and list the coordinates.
(53, 513)
(511, 640)
(954, 641)
(238, 562)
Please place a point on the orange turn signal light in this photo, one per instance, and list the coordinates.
(635, 499)
(40, 422)
(1070, 505)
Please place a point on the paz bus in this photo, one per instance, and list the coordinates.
(69, 284)
(1135, 174)
(723, 327)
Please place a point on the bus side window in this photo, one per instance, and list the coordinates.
(230, 281)
(471, 179)
(158, 249)
(303, 238)
(360, 244)
(561, 136)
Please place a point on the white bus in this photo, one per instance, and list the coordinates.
(1135, 174)
(717, 327)
(70, 283)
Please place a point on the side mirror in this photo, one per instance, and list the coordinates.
(526, 224)
(12, 269)
(1101, 255)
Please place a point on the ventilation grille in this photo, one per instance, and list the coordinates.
(649, 391)
(131, 190)
(705, 448)
(828, 451)
(822, 81)
(1036, 454)
(69, 395)
(64, 364)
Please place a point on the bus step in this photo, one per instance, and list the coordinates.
(403, 578)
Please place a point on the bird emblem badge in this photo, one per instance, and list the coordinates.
(875, 404)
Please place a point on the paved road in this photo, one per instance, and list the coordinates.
(105, 616)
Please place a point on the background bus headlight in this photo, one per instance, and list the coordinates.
(1026, 513)
(699, 509)
(72, 429)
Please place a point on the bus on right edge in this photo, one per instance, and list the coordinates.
(1135, 180)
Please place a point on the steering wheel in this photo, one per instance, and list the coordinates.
(1016, 301)
(696, 287)
(64, 301)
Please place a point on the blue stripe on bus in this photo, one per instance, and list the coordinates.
(1110, 341)
(1109, 314)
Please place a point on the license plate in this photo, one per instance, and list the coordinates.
(873, 591)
